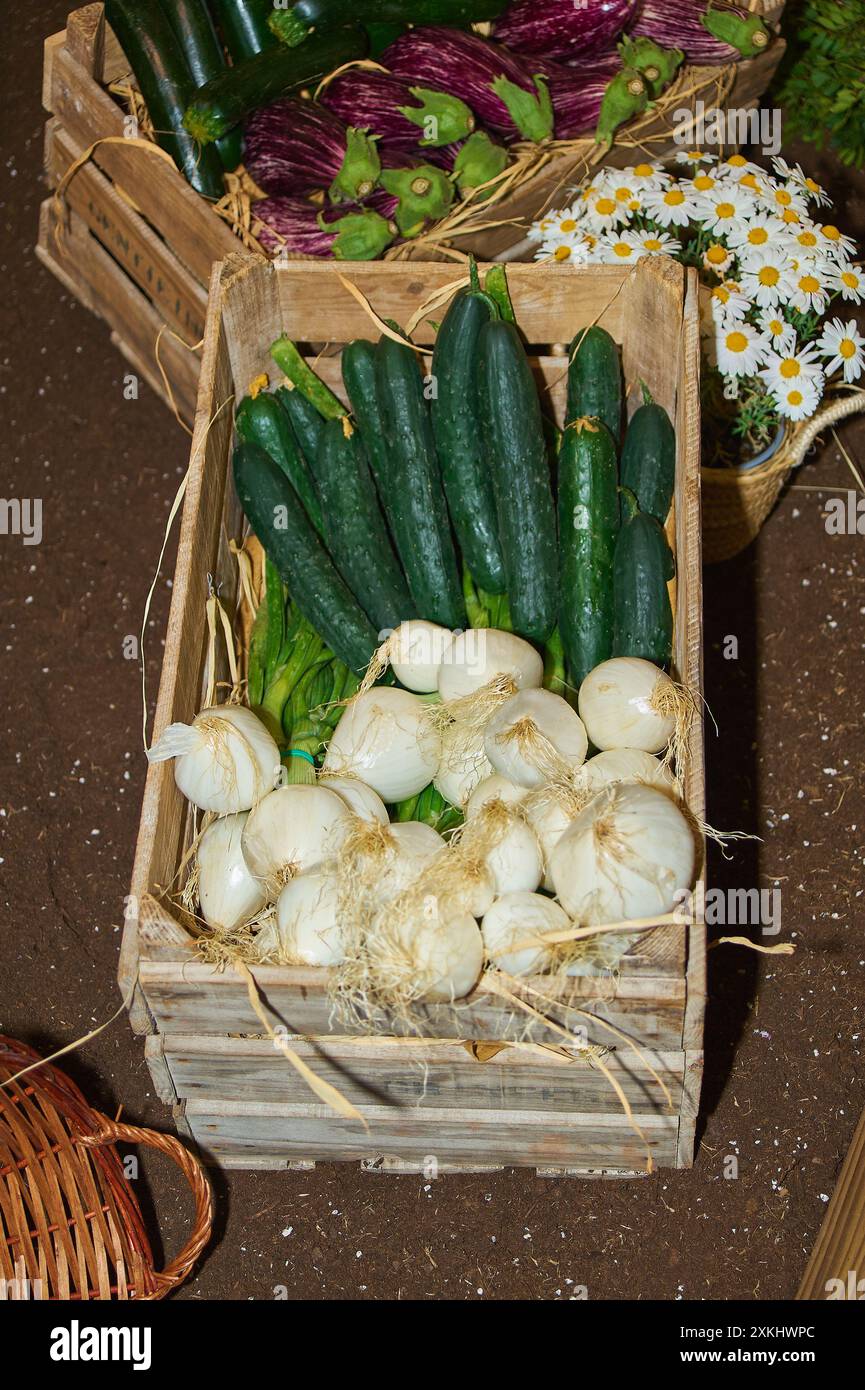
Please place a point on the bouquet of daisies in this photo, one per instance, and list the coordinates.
(772, 272)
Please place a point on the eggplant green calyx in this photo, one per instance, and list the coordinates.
(424, 193)
(657, 65)
(360, 236)
(626, 96)
(442, 118)
(288, 27)
(202, 124)
(360, 169)
(531, 112)
(749, 35)
(479, 162)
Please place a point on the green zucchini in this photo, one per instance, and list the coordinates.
(649, 458)
(355, 530)
(520, 468)
(156, 58)
(595, 380)
(319, 592)
(588, 527)
(459, 438)
(305, 421)
(196, 33)
(358, 376)
(413, 480)
(223, 102)
(292, 25)
(263, 421)
(642, 569)
(244, 28)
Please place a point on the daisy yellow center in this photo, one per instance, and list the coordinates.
(674, 197)
(722, 294)
(758, 236)
(695, 155)
(737, 161)
(652, 243)
(716, 255)
(776, 327)
(795, 397)
(750, 181)
(769, 275)
(789, 368)
(831, 233)
(569, 225)
(790, 216)
(812, 186)
(808, 284)
(847, 347)
(645, 171)
(605, 206)
(725, 210)
(736, 342)
(849, 279)
(634, 205)
(563, 253)
(621, 248)
(622, 195)
(703, 182)
(806, 239)
(783, 197)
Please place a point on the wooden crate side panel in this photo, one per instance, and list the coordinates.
(83, 266)
(414, 1074)
(520, 1138)
(175, 294)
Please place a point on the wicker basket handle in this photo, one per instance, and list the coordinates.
(830, 415)
(178, 1269)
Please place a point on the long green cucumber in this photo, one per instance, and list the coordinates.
(459, 437)
(649, 458)
(244, 26)
(196, 33)
(416, 505)
(263, 421)
(303, 563)
(595, 379)
(305, 421)
(642, 569)
(355, 530)
(520, 470)
(588, 527)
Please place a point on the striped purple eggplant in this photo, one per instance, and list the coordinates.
(498, 85)
(295, 147)
(714, 35)
(295, 227)
(563, 28)
(577, 95)
(403, 115)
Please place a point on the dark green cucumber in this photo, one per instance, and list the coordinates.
(244, 28)
(197, 36)
(156, 58)
(416, 507)
(358, 376)
(588, 527)
(649, 459)
(302, 561)
(292, 25)
(263, 421)
(305, 421)
(518, 460)
(354, 529)
(642, 569)
(595, 380)
(223, 102)
(459, 437)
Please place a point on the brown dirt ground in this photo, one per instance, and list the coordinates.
(784, 1084)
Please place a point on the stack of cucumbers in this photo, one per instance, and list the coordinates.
(436, 495)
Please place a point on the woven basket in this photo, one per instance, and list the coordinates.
(70, 1225)
(736, 502)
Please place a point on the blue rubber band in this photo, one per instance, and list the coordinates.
(298, 753)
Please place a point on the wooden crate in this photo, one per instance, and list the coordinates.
(141, 243)
(431, 1097)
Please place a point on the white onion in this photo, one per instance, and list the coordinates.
(225, 760)
(358, 797)
(494, 788)
(477, 656)
(294, 828)
(383, 740)
(626, 855)
(618, 705)
(228, 894)
(549, 820)
(414, 846)
(516, 863)
(519, 917)
(416, 650)
(446, 956)
(626, 765)
(306, 930)
(552, 717)
(462, 765)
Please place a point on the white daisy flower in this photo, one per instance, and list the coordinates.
(754, 183)
(791, 368)
(620, 248)
(728, 302)
(674, 206)
(794, 173)
(739, 349)
(725, 209)
(736, 165)
(647, 175)
(782, 334)
(761, 230)
(783, 197)
(576, 251)
(717, 258)
(797, 402)
(695, 157)
(843, 343)
(659, 243)
(704, 182)
(810, 289)
(767, 277)
(564, 224)
(835, 243)
(603, 212)
(849, 282)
